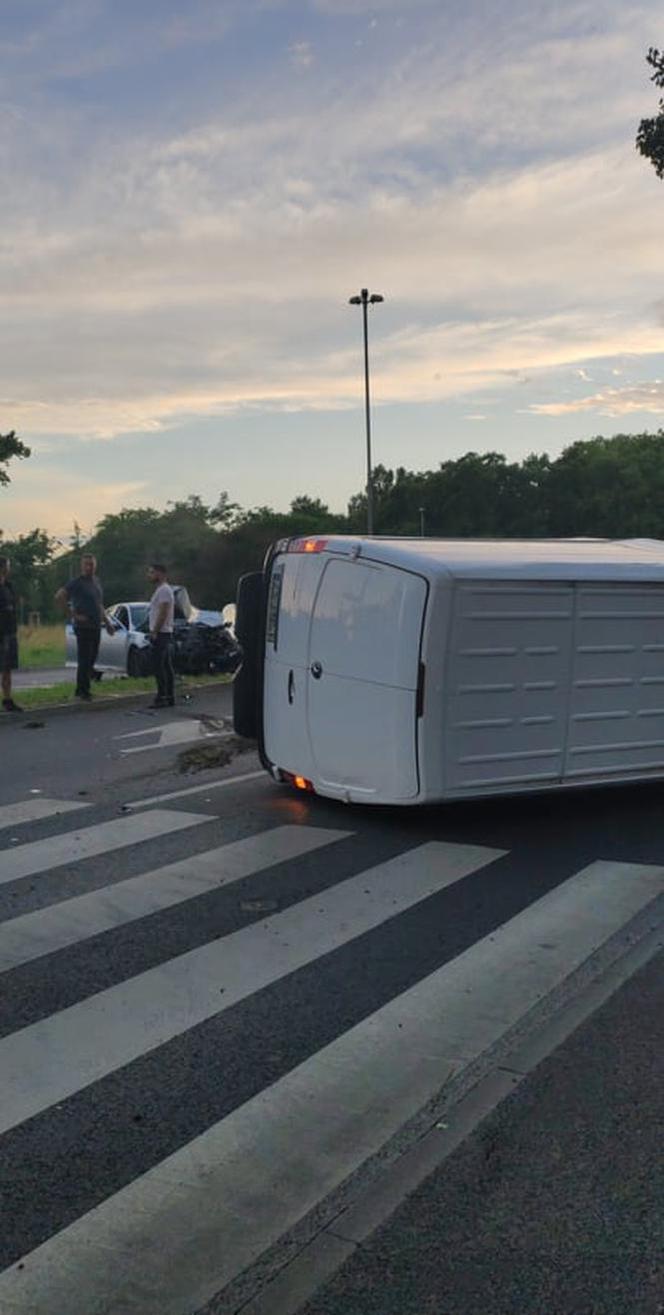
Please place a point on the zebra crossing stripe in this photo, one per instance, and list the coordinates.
(42, 855)
(74, 920)
(49, 1060)
(33, 810)
(182, 1231)
(198, 789)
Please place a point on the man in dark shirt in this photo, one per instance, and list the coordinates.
(85, 599)
(8, 640)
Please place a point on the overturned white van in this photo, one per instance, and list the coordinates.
(403, 671)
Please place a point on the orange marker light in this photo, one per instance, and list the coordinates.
(307, 545)
(300, 782)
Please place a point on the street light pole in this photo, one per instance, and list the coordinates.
(364, 300)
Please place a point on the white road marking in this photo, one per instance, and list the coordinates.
(197, 789)
(49, 1060)
(73, 920)
(42, 855)
(33, 810)
(172, 732)
(180, 1232)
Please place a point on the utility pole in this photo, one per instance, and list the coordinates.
(364, 300)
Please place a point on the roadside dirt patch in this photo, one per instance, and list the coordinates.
(219, 754)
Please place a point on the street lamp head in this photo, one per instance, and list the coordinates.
(364, 299)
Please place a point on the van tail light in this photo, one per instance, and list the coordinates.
(300, 782)
(307, 545)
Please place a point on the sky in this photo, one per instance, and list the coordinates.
(193, 190)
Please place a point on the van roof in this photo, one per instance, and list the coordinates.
(521, 559)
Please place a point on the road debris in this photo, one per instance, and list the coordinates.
(219, 754)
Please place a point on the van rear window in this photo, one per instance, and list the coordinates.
(273, 605)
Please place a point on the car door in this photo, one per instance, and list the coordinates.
(113, 648)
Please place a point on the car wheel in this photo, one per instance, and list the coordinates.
(134, 662)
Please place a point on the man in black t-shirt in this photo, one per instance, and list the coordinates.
(8, 640)
(85, 600)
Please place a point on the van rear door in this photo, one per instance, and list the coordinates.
(364, 654)
(292, 588)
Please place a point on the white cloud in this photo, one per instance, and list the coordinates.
(415, 364)
(301, 54)
(647, 397)
(359, 8)
(68, 498)
(476, 173)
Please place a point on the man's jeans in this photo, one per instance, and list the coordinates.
(87, 642)
(162, 647)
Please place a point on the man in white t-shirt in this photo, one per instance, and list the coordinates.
(162, 607)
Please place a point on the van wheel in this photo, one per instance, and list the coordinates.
(133, 662)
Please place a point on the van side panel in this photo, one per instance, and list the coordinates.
(508, 676)
(617, 702)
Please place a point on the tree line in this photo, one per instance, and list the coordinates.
(605, 487)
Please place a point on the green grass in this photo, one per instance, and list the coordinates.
(116, 688)
(42, 646)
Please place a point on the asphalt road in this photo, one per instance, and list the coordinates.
(230, 1011)
(555, 1204)
(98, 747)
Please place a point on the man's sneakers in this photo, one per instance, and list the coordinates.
(10, 706)
(81, 694)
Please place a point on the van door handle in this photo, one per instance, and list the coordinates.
(316, 670)
(291, 686)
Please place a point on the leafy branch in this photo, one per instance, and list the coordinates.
(650, 135)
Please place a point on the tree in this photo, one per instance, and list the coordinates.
(29, 554)
(382, 481)
(224, 513)
(611, 487)
(311, 516)
(124, 543)
(10, 446)
(650, 136)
